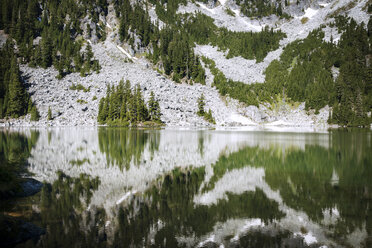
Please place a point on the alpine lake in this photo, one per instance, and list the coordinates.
(113, 187)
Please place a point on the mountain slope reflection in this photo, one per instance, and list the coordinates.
(173, 188)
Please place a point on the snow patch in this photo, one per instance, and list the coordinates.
(235, 117)
(128, 194)
(309, 238)
(309, 13)
(126, 53)
(253, 223)
(279, 123)
(323, 4)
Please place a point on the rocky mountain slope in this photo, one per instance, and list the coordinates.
(178, 101)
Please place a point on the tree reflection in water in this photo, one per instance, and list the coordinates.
(321, 183)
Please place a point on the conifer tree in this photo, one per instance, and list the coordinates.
(201, 105)
(154, 108)
(17, 97)
(49, 114)
(46, 50)
(35, 116)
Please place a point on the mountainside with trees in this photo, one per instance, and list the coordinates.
(62, 35)
(58, 23)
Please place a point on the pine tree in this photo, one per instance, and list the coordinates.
(17, 96)
(35, 116)
(46, 50)
(102, 111)
(154, 108)
(201, 105)
(49, 114)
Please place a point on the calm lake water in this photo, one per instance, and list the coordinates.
(111, 187)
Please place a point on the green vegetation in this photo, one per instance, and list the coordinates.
(201, 112)
(81, 101)
(249, 45)
(171, 48)
(243, 92)
(58, 24)
(79, 162)
(79, 87)
(304, 20)
(123, 106)
(62, 216)
(49, 114)
(14, 100)
(15, 149)
(305, 178)
(229, 12)
(172, 202)
(35, 116)
(123, 146)
(304, 74)
(261, 8)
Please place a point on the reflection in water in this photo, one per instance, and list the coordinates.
(169, 210)
(169, 188)
(61, 211)
(121, 146)
(15, 149)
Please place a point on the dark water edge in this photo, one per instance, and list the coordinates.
(265, 190)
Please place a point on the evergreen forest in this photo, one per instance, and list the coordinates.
(123, 106)
(314, 70)
(318, 73)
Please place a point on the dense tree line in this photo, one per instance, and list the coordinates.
(58, 23)
(249, 45)
(166, 9)
(172, 47)
(261, 8)
(307, 72)
(14, 99)
(243, 92)
(124, 106)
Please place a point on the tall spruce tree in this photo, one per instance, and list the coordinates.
(17, 103)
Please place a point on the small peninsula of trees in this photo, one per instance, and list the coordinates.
(123, 106)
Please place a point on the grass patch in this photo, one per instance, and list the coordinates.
(79, 162)
(304, 20)
(230, 12)
(81, 101)
(79, 87)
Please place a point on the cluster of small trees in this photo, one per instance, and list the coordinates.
(261, 8)
(201, 110)
(124, 106)
(58, 25)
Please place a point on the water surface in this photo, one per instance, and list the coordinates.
(111, 187)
